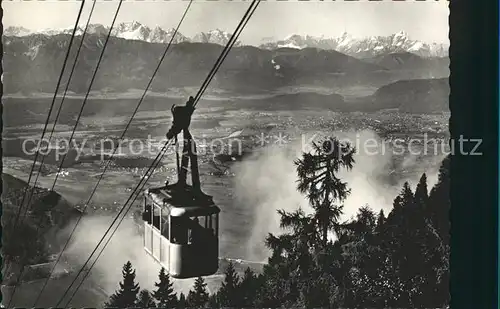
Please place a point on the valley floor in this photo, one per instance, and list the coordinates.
(244, 220)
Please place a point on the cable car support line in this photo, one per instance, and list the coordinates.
(63, 97)
(155, 162)
(88, 91)
(50, 110)
(226, 50)
(114, 152)
(21, 205)
(55, 123)
(167, 144)
(85, 99)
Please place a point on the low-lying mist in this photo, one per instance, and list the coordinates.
(126, 245)
(266, 182)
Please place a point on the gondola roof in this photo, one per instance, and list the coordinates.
(183, 200)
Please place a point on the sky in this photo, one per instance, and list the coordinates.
(426, 21)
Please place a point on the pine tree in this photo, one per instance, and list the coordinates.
(380, 221)
(164, 294)
(126, 296)
(229, 291)
(213, 301)
(198, 297)
(401, 205)
(439, 223)
(413, 246)
(398, 202)
(248, 288)
(366, 220)
(407, 196)
(300, 257)
(396, 263)
(421, 193)
(439, 201)
(145, 300)
(397, 208)
(318, 179)
(181, 304)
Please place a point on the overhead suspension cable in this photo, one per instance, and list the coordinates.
(50, 110)
(139, 188)
(41, 139)
(238, 30)
(125, 130)
(226, 49)
(111, 225)
(53, 129)
(88, 91)
(64, 97)
(58, 114)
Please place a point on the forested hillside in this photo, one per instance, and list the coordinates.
(394, 260)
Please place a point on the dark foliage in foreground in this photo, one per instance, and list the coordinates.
(128, 293)
(372, 261)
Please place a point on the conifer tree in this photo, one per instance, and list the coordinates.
(126, 296)
(145, 300)
(366, 220)
(198, 297)
(398, 202)
(407, 196)
(397, 208)
(439, 201)
(213, 301)
(380, 221)
(248, 288)
(181, 304)
(439, 207)
(164, 293)
(317, 172)
(229, 291)
(421, 193)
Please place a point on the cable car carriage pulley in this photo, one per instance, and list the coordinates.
(181, 223)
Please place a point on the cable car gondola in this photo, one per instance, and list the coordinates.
(181, 223)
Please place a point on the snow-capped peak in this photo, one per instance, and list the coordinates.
(291, 37)
(345, 34)
(299, 41)
(216, 36)
(16, 31)
(135, 24)
(97, 29)
(344, 43)
(129, 26)
(159, 35)
(362, 47)
(132, 31)
(401, 34)
(218, 31)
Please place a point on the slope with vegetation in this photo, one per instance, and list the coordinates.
(32, 64)
(34, 238)
(415, 96)
(398, 260)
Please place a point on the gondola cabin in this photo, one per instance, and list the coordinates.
(181, 223)
(181, 229)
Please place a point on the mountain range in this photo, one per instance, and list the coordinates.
(32, 63)
(345, 43)
(363, 47)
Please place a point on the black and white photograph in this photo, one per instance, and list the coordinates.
(226, 154)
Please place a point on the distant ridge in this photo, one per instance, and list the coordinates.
(345, 43)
